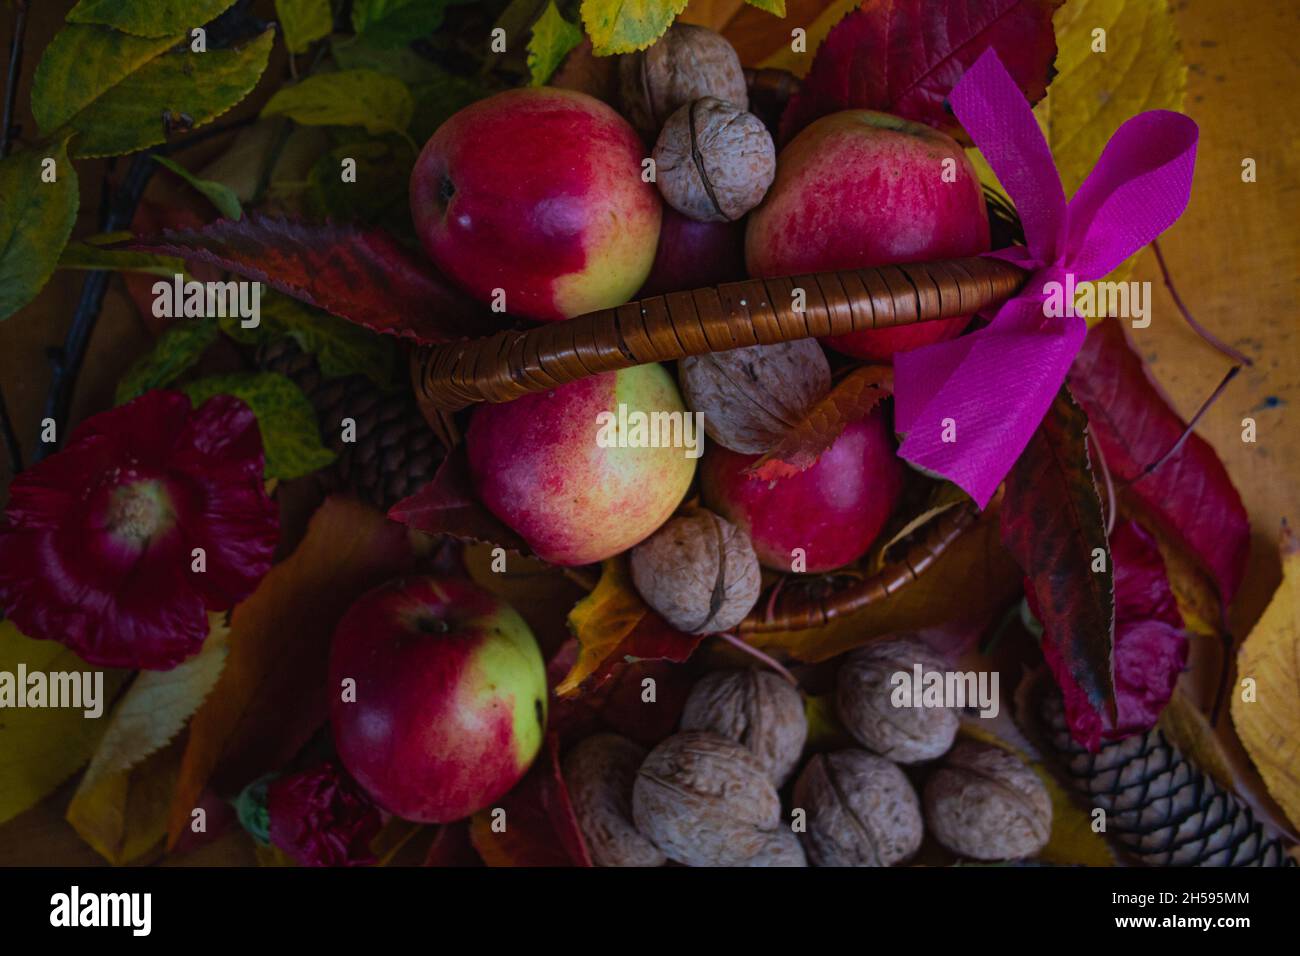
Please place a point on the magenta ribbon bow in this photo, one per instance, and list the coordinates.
(987, 392)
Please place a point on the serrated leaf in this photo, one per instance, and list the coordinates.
(340, 347)
(155, 708)
(82, 64)
(124, 816)
(222, 197)
(40, 747)
(365, 98)
(304, 22)
(771, 6)
(359, 274)
(36, 219)
(551, 40)
(623, 26)
(1052, 524)
(148, 18)
(397, 22)
(201, 86)
(290, 433)
(176, 350)
(88, 255)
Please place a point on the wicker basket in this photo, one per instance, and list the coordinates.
(509, 364)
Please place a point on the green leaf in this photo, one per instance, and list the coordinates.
(623, 26)
(341, 348)
(356, 53)
(397, 22)
(82, 64)
(148, 18)
(40, 747)
(304, 22)
(553, 37)
(365, 98)
(178, 348)
(36, 219)
(222, 197)
(383, 177)
(771, 6)
(88, 255)
(202, 86)
(290, 433)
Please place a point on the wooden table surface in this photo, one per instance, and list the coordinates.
(1234, 256)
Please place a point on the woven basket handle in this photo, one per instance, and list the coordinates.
(509, 364)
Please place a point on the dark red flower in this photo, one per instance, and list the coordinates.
(98, 545)
(1150, 645)
(321, 817)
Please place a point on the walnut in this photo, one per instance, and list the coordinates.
(862, 811)
(752, 396)
(713, 161)
(686, 63)
(705, 801)
(865, 702)
(755, 708)
(699, 571)
(599, 773)
(782, 849)
(984, 803)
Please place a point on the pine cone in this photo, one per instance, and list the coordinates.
(1159, 807)
(395, 451)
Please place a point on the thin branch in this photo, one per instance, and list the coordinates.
(1202, 331)
(756, 653)
(1187, 432)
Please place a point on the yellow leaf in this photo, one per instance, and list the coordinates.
(825, 732)
(944, 497)
(1072, 841)
(1269, 722)
(799, 63)
(40, 747)
(622, 26)
(601, 620)
(124, 815)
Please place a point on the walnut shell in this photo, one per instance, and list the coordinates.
(984, 803)
(751, 396)
(755, 708)
(704, 800)
(864, 701)
(686, 63)
(599, 773)
(862, 810)
(782, 849)
(699, 571)
(713, 161)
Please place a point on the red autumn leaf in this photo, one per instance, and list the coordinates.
(356, 273)
(1052, 524)
(905, 56)
(1189, 495)
(150, 216)
(540, 827)
(448, 505)
(272, 696)
(1150, 645)
(852, 399)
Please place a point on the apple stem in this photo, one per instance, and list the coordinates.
(759, 655)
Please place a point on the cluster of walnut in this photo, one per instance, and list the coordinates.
(711, 795)
(714, 160)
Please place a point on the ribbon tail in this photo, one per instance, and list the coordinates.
(973, 427)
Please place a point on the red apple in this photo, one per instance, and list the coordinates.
(833, 511)
(858, 189)
(538, 192)
(572, 476)
(694, 254)
(450, 702)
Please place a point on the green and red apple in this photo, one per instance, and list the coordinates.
(858, 189)
(450, 697)
(549, 466)
(538, 193)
